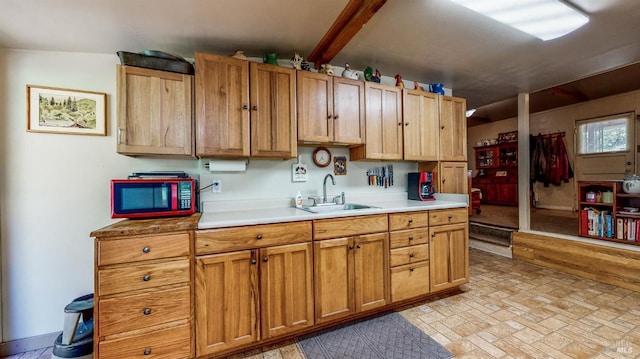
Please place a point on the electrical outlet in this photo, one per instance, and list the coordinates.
(216, 186)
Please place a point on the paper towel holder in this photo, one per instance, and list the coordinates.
(217, 165)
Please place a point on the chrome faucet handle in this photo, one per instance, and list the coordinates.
(339, 199)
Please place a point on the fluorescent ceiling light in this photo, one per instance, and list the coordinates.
(545, 19)
(471, 112)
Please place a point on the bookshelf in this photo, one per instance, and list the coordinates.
(607, 213)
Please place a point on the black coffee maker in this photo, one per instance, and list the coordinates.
(420, 186)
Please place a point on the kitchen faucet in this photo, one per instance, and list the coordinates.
(324, 186)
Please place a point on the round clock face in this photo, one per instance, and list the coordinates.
(321, 157)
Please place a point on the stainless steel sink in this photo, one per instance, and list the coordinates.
(332, 207)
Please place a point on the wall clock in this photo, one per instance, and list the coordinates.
(321, 157)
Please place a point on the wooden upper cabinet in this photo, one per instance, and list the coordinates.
(453, 129)
(315, 107)
(330, 109)
(222, 106)
(348, 111)
(421, 125)
(273, 111)
(155, 114)
(383, 116)
(453, 178)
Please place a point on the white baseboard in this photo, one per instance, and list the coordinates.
(491, 248)
(27, 344)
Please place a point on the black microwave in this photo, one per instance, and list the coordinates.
(147, 198)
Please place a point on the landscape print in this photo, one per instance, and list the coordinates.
(66, 111)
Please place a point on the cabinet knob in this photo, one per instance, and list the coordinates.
(146, 311)
(253, 261)
(410, 220)
(433, 234)
(255, 108)
(399, 123)
(146, 277)
(442, 127)
(410, 255)
(406, 123)
(329, 116)
(265, 259)
(351, 247)
(358, 246)
(410, 269)
(450, 216)
(336, 117)
(411, 238)
(444, 180)
(146, 250)
(259, 236)
(245, 107)
(147, 351)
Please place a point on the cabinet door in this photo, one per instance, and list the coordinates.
(333, 279)
(371, 268)
(453, 177)
(315, 107)
(273, 111)
(453, 129)
(222, 106)
(421, 125)
(154, 112)
(226, 304)
(448, 256)
(348, 111)
(383, 118)
(286, 289)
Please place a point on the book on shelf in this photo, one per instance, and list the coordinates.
(598, 223)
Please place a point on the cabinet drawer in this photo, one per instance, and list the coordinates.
(408, 255)
(409, 281)
(142, 276)
(122, 314)
(409, 237)
(249, 237)
(140, 248)
(408, 220)
(349, 226)
(166, 343)
(448, 216)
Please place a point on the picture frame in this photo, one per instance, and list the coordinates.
(59, 110)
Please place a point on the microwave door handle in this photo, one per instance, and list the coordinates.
(174, 196)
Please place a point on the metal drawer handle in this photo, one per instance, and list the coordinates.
(146, 311)
(146, 277)
(146, 250)
(259, 236)
(147, 351)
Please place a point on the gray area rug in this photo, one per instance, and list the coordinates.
(387, 336)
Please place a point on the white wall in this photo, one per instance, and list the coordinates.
(55, 188)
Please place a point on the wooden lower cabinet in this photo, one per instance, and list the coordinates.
(246, 296)
(226, 301)
(448, 249)
(350, 273)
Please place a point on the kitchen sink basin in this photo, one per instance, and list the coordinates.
(332, 207)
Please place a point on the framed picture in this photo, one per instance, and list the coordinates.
(58, 110)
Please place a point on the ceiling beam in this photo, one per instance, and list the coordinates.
(575, 95)
(354, 16)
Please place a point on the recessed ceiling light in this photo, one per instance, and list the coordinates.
(545, 19)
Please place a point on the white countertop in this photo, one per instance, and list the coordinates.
(239, 213)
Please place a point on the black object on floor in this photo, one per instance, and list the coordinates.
(387, 336)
